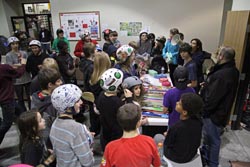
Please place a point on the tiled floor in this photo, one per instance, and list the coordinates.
(235, 146)
(9, 151)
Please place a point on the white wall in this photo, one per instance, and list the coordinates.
(4, 30)
(195, 18)
(241, 5)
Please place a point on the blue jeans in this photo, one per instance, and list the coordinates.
(211, 142)
(8, 112)
(46, 47)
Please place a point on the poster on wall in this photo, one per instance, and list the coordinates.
(75, 23)
(131, 28)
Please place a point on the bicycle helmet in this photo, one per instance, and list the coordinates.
(131, 81)
(64, 97)
(35, 43)
(12, 39)
(84, 33)
(106, 33)
(124, 52)
(143, 32)
(111, 79)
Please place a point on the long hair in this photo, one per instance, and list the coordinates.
(138, 99)
(28, 126)
(198, 43)
(101, 64)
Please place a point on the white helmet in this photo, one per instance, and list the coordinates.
(65, 96)
(124, 49)
(131, 81)
(84, 33)
(35, 42)
(143, 32)
(111, 79)
(12, 39)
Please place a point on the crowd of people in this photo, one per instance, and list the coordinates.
(51, 133)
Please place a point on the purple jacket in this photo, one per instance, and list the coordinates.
(7, 74)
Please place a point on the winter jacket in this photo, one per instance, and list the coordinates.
(86, 66)
(79, 47)
(7, 74)
(48, 112)
(219, 92)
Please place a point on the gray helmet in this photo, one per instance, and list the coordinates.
(131, 81)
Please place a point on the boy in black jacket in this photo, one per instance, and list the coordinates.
(184, 137)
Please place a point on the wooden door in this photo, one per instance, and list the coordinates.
(235, 34)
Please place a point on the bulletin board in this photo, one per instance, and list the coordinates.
(74, 23)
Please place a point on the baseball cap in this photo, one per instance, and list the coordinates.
(181, 77)
(162, 40)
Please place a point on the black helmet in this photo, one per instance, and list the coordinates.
(58, 31)
(106, 33)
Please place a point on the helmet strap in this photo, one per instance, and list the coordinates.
(71, 111)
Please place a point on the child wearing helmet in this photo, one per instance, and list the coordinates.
(60, 37)
(134, 84)
(144, 45)
(107, 42)
(108, 104)
(71, 140)
(36, 58)
(125, 58)
(14, 57)
(85, 38)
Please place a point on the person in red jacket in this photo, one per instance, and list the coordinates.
(7, 74)
(85, 38)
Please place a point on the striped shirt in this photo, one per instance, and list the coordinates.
(71, 143)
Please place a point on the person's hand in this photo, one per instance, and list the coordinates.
(40, 66)
(50, 151)
(144, 121)
(92, 134)
(127, 93)
(76, 62)
(202, 84)
(23, 61)
(15, 66)
(19, 57)
(82, 54)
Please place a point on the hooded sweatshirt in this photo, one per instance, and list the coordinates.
(48, 112)
(86, 66)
